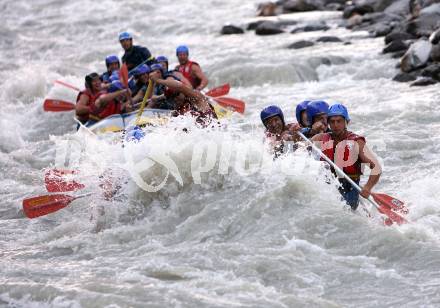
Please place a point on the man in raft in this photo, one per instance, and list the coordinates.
(190, 70)
(134, 55)
(348, 151)
(184, 99)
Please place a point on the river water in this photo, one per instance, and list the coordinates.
(241, 236)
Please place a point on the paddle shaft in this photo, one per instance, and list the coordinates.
(337, 169)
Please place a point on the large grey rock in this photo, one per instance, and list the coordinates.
(291, 6)
(268, 28)
(311, 27)
(253, 25)
(231, 29)
(426, 23)
(416, 56)
(432, 71)
(399, 7)
(421, 82)
(394, 36)
(381, 29)
(404, 77)
(395, 46)
(327, 39)
(435, 53)
(435, 37)
(351, 10)
(300, 44)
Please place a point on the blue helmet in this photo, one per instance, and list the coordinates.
(125, 36)
(315, 108)
(338, 110)
(182, 49)
(111, 59)
(115, 86)
(162, 59)
(135, 134)
(300, 108)
(142, 69)
(270, 112)
(157, 67)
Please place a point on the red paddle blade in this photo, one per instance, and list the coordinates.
(232, 103)
(393, 217)
(219, 91)
(43, 205)
(56, 181)
(56, 105)
(390, 202)
(123, 73)
(67, 85)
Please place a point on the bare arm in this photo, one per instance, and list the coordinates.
(197, 98)
(197, 71)
(366, 156)
(182, 79)
(81, 107)
(106, 98)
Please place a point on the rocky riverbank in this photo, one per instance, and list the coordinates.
(411, 30)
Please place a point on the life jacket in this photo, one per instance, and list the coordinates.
(112, 107)
(354, 170)
(91, 104)
(186, 71)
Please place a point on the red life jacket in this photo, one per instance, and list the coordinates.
(96, 114)
(354, 170)
(91, 103)
(186, 71)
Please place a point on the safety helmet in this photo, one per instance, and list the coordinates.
(142, 69)
(300, 108)
(111, 59)
(115, 86)
(162, 59)
(182, 49)
(338, 110)
(125, 36)
(315, 108)
(157, 67)
(270, 112)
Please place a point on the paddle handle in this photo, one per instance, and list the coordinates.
(336, 168)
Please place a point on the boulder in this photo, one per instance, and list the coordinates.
(267, 9)
(399, 7)
(268, 28)
(435, 37)
(416, 56)
(334, 6)
(327, 39)
(395, 46)
(291, 6)
(300, 44)
(231, 29)
(401, 36)
(426, 23)
(311, 27)
(404, 77)
(253, 25)
(425, 81)
(432, 71)
(351, 10)
(435, 53)
(381, 29)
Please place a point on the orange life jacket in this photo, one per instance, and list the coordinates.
(91, 103)
(351, 156)
(186, 71)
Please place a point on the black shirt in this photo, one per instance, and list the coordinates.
(135, 56)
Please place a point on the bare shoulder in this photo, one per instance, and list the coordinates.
(317, 137)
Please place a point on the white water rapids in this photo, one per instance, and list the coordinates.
(279, 237)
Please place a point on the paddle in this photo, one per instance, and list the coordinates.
(219, 91)
(55, 181)
(123, 74)
(384, 209)
(147, 95)
(43, 205)
(56, 105)
(67, 85)
(232, 103)
(391, 202)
